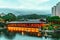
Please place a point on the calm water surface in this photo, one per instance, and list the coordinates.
(25, 37)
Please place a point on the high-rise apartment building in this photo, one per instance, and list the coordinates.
(56, 10)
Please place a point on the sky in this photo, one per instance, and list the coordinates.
(28, 4)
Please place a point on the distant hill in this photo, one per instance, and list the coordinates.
(23, 12)
(32, 16)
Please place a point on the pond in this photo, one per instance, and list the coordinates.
(24, 37)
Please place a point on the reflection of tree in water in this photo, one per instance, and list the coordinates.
(2, 28)
(9, 35)
(55, 39)
(0, 35)
(56, 35)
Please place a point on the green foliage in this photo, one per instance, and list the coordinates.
(53, 19)
(9, 17)
(50, 28)
(31, 16)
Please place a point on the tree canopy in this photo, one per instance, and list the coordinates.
(9, 17)
(55, 19)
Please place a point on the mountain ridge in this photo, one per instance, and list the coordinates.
(23, 12)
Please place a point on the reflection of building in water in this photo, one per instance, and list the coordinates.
(56, 10)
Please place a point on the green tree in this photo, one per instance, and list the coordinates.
(33, 16)
(9, 17)
(53, 18)
(50, 28)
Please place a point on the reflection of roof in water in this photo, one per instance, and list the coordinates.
(26, 22)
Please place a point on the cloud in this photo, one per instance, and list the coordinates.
(31, 4)
(33, 1)
(20, 3)
(26, 4)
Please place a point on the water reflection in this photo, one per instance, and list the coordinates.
(20, 37)
(17, 36)
(7, 35)
(56, 36)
